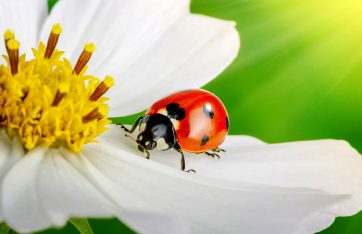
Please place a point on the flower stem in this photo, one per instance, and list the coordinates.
(82, 225)
(4, 229)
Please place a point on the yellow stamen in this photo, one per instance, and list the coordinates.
(52, 40)
(90, 47)
(60, 94)
(46, 104)
(8, 35)
(101, 89)
(13, 53)
(84, 58)
(93, 115)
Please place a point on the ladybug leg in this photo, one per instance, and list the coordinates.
(183, 164)
(214, 155)
(215, 152)
(182, 160)
(218, 150)
(140, 147)
(143, 150)
(136, 123)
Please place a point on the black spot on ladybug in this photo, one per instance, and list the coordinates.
(204, 140)
(174, 111)
(227, 123)
(208, 110)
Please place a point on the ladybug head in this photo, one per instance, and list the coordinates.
(156, 132)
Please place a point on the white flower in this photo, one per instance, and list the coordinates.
(154, 47)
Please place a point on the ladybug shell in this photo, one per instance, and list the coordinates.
(198, 116)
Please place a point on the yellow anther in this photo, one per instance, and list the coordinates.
(56, 29)
(108, 81)
(13, 44)
(84, 58)
(52, 40)
(94, 114)
(102, 88)
(58, 97)
(63, 87)
(89, 47)
(8, 35)
(12, 47)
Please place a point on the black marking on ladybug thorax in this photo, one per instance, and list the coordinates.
(209, 112)
(227, 123)
(157, 126)
(204, 140)
(174, 111)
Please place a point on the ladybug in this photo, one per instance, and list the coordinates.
(194, 121)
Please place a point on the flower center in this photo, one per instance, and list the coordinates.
(46, 102)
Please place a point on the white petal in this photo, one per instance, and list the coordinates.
(240, 140)
(11, 151)
(329, 165)
(151, 47)
(25, 18)
(44, 190)
(47, 186)
(208, 205)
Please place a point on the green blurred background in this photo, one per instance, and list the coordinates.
(298, 76)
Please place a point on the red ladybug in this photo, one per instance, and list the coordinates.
(194, 121)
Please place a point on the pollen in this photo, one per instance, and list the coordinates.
(9, 35)
(47, 102)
